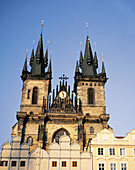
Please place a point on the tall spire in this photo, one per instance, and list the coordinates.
(46, 56)
(38, 67)
(24, 71)
(103, 67)
(50, 66)
(77, 68)
(32, 55)
(81, 56)
(95, 57)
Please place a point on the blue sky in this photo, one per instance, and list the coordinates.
(111, 26)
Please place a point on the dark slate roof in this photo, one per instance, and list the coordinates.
(88, 67)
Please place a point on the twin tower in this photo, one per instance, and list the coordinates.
(80, 114)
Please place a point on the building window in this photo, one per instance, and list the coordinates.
(100, 151)
(22, 163)
(63, 163)
(91, 130)
(91, 94)
(30, 141)
(35, 95)
(134, 151)
(86, 84)
(90, 84)
(123, 166)
(95, 84)
(4, 163)
(83, 84)
(122, 151)
(13, 163)
(74, 164)
(54, 163)
(28, 94)
(101, 166)
(112, 166)
(112, 151)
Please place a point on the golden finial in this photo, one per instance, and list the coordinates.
(102, 57)
(87, 28)
(80, 45)
(47, 44)
(33, 43)
(26, 52)
(42, 25)
(77, 55)
(95, 45)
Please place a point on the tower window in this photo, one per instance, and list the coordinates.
(91, 130)
(90, 84)
(35, 95)
(30, 141)
(28, 94)
(91, 94)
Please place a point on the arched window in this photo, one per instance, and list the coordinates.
(35, 95)
(30, 141)
(91, 130)
(91, 95)
(57, 134)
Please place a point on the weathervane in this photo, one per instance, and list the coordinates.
(87, 28)
(63, 78)
(102, 57)
(95, 45)
(47, 44)
(80, 45)
(42, 25)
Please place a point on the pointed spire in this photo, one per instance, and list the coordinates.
(46, 56)
(50, 66)
(95, 57)
(24, 71)
(81, 56)
(77, 68)
(103, 67)
(32, 55)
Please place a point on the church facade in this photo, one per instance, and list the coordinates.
(58, 131)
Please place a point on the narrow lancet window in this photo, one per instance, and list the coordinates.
(35, 95)
(28, 94)
(91, 95)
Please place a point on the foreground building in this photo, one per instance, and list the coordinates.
(58, 131)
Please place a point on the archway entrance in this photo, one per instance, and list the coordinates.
(57, 134)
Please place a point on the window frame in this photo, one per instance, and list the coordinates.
(123, 168)
(64, 164)
(35, 93)
(91, 96)
(122, 151)
(22, 163)
(100, 151)
(114, 168)
(74, 163)
(113, 151)
(54, 163)
(14, 163)
(101, 168)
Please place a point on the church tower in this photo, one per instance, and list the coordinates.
(35, 92)
(44, 118)
(89, 88)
